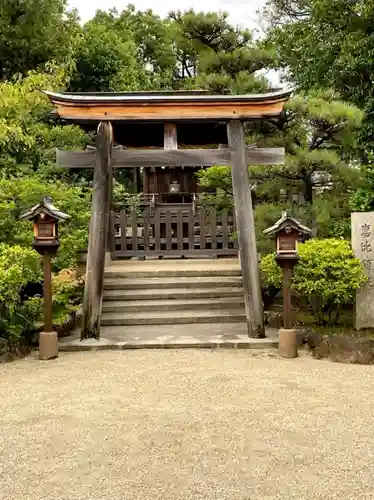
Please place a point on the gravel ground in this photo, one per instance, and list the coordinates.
(186, 424)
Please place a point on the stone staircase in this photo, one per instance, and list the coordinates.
(172, 293)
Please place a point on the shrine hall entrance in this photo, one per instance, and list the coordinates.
(173, 231)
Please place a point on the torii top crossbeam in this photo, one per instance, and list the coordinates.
(167, 106)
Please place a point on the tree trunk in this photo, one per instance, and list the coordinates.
(308, 189)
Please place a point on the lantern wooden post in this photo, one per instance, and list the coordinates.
(45, 217)
(287, 268)
(288, 231)
(47, 268)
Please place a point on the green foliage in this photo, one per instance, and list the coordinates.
(18, 267)
(154, 41)
(221, 57)
(325, 277)
(106, 61)
(34, 32)
(327, 44)
(272, 273)
(363, 199)
(216, 177)
(17, 197)
(28, 138)
(135, 50)
(67, 293)
(332, 214)
(217, 185)
(317, 131)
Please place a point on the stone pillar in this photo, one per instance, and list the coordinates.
(363, 247)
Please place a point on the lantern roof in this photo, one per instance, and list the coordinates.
(285, 223)
(46, 207)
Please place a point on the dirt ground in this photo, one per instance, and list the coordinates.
(186, 424)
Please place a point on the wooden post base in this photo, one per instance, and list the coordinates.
(108, 258)
(288, 343)
(48, 345)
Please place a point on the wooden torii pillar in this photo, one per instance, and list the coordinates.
(169, 108)
(246, 229)
(98, 234)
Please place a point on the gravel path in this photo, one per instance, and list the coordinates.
(186, 424)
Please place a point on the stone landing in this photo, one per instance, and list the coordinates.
(220, 335)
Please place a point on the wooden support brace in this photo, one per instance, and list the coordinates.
(99, 226)
(246, 230)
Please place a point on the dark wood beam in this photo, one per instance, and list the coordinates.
(131, 158)
(245, 229)
(98, 235)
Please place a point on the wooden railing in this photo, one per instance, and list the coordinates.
(179, 232)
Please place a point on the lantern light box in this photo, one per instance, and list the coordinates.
(45, 217)
(288, 232)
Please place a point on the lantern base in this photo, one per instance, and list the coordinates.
(286, 258)
(288, 343)
(48, 246)
(48, 345)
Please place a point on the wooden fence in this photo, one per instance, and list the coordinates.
(157, 232)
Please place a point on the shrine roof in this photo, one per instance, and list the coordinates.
(163, 106)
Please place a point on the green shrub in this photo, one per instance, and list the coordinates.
(325, 277)
(18, 267)
(17, 196)
(271, 272)
(67, 292)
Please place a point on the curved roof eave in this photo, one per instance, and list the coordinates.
(92, 99)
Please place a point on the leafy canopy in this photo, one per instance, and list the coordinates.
(327, 44)
(28, 136)
(35, 32)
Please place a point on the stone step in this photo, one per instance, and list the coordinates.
(171, 318)
(172, 282)
(174, 293)
(174, 304)
(204, 331)
(111, 273)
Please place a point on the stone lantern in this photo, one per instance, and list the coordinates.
(45, 217)
(287, 232)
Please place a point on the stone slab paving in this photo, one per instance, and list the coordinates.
(226, 335)
(185, 425)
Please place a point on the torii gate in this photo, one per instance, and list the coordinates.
(169, 108)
